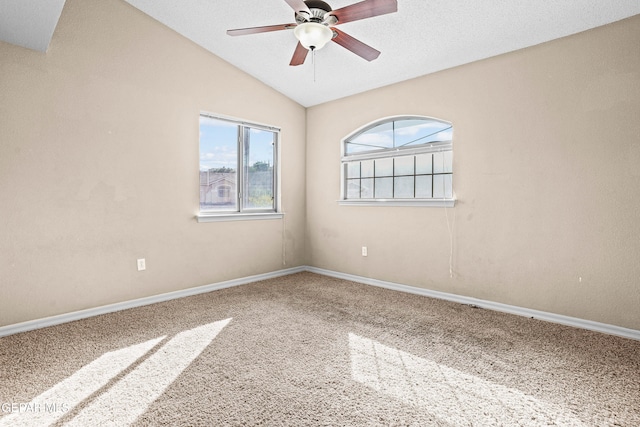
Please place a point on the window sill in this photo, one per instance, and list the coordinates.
(434, 203)
(218, 217)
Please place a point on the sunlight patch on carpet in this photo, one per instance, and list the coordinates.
(123, 402)
(451, 395)
(54, 403)
(131, 396)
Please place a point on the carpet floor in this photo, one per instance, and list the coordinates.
(310, 350)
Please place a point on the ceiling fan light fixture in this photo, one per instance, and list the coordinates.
(312, 35)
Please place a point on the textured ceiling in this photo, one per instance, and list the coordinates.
(423, 37)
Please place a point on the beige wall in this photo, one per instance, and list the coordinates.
(546, 172)
(99, 166)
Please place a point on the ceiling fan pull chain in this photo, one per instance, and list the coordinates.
(313, 61)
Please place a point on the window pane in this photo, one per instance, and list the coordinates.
(421, 131)
(384, 167)
(403, 187)
(374, 139)
(423, 187)
(353, 189)
(366, 168)
(384, 188)
(423, 164)
(353, 170)
(258, 168)
(443, 162)
(351, 148)
(403, 166)
(442, 186)
(366, 190)
(218, 165)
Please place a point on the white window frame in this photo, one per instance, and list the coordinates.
(434, 147)
(243, 214)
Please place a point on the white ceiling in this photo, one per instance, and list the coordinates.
(423, 37)
(29, 23)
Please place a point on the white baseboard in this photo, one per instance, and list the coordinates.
(83, 314)
(496, 306)
(520, 311)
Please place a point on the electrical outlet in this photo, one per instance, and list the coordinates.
(364, 251)
(142, 265)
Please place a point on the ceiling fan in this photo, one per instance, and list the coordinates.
(315, 22)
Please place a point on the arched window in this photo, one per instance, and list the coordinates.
(404, 160)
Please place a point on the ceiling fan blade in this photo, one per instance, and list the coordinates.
(298, 6)
(299, 55)
(364, 9)
(355, 45)
(255, 30)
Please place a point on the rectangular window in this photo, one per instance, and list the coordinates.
(238, 167)
(421, 176)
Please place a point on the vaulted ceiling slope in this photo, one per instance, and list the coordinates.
(29, 23)
(423, 37)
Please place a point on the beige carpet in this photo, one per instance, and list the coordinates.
(311, 350)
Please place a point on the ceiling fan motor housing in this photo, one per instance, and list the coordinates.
(319, 10)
